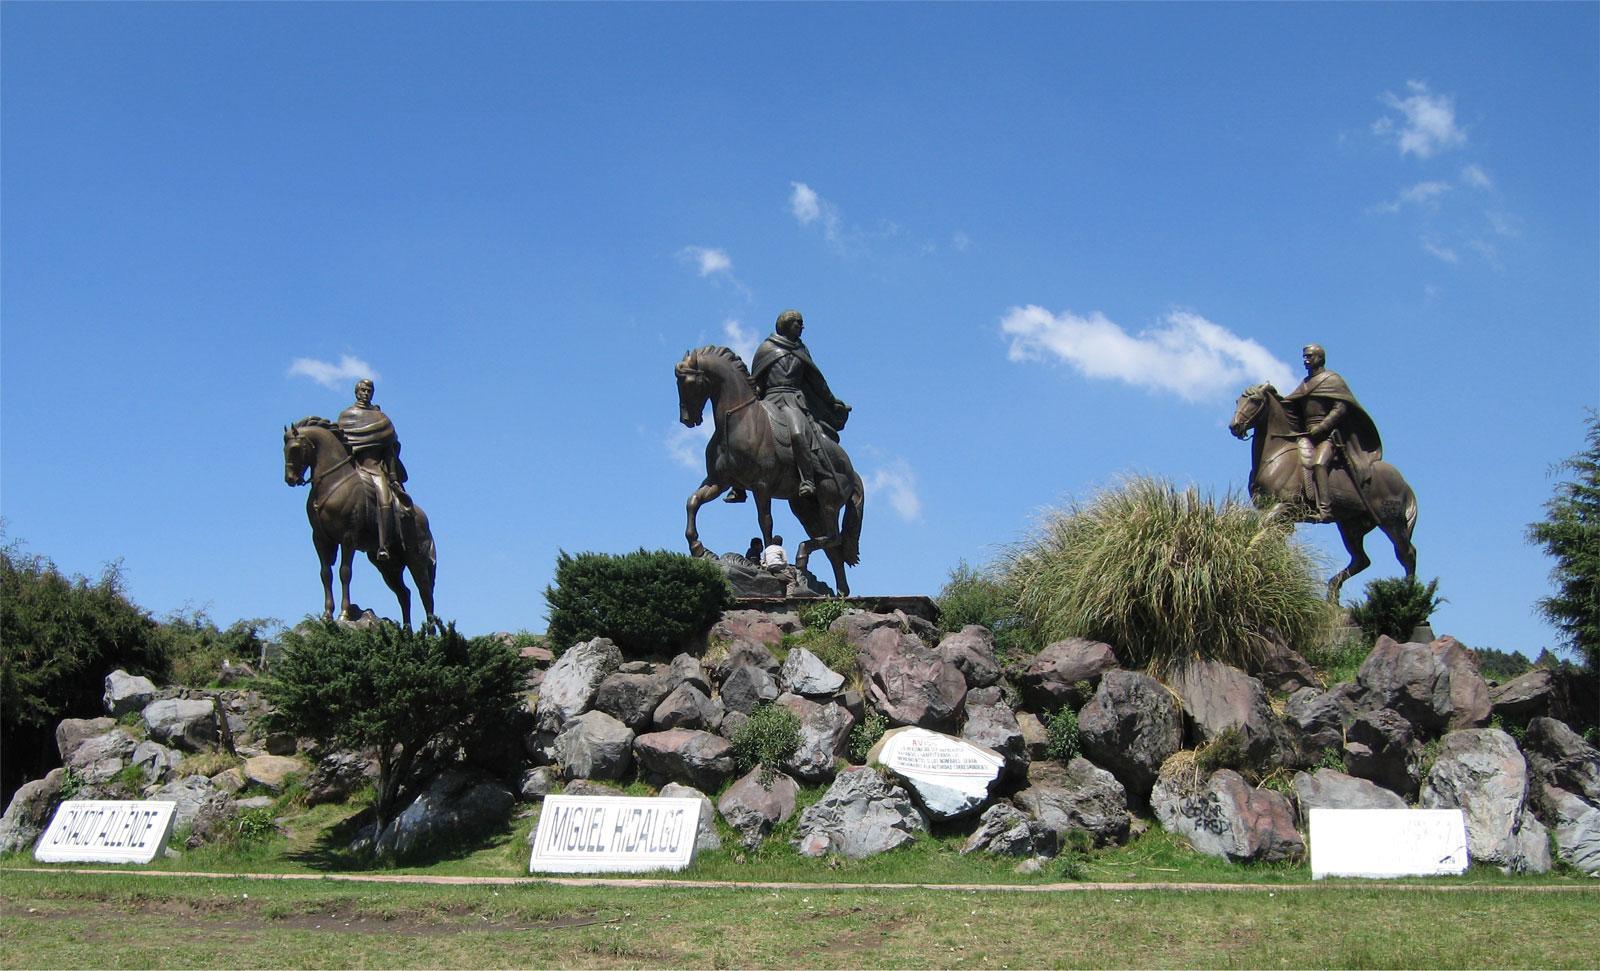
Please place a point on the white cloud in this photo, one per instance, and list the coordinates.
(742, 341)
(808, 207)
(960, 241)
(1427, 124)
(332, 376)
(1440, 251)
(1425, 194)
(687, 446)
(1188, 356)
(1476, 177)
(898, 482)
(706, 259)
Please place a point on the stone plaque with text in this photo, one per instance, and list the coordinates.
(1387, 842)
(106, 831)
(609, 834)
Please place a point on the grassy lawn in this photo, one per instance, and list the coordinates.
(70, 920)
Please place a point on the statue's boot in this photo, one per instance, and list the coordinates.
(384, 506)
(1324, 498)
(735, 494)
(1308, 482)
(807, 490)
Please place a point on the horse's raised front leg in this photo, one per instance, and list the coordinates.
(1351, 531)
(708, 491)
(346, 555)
(327, 552)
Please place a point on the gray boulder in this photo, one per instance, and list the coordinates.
(1217, 697)
(29, 812)
(191, 725)
(1066, 672)
(1529, 695)
(536, 783)
(1561, 757)
(907, 682)
(860, 815)
(632, 697)
(1003, 830)
(705, 834)
(743, 654)
(685, 755)
(338, 774)
(804, 674)
(570, 684)
(99, 759)
(688, 706)
(272, 772)
(126, 692)
(991, 724)
(1575, 824)
(753, 809)
(1035, 736)
(457, 804)
(747, 627)
(858, 625)
(203, 808)
(1280, 668)
(824, 733)
(747, 687)
(1481, 772)
(687, 669)
(156, 761)
(1327, 789)
(1381, 746)
(1131, 726)
(1317, 720)
(1227, 817)
(72, 732)
(971, 650)
(594, 746)
(1435, 686)
(1084, 797)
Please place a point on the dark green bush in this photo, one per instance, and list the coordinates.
(1062, 730)
(972, 596)
(648, 603)
(820, 616)
(196, 646)
(1499, 665)
(1395, 606)
(394, 691)
(1166, 575)
(59, 638)
(866, 735)
(771, 735)
(1570, 532)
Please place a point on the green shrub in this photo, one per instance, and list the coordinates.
(1062, 732)
(1337, 656)
(972, 596)
(866, 735)
(830, 648)
(648, 603)
(252, 826)
(1226, 750)
(1499, 665)
(1166, 575)
(820, 616)
(196, 647)
(72, 783)
(393, 691)
(59, 638)
(1395, 606)
(770, 736)
(1570, 532)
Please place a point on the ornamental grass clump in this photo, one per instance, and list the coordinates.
(1166, 576)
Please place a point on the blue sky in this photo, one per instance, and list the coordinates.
(1038, 247)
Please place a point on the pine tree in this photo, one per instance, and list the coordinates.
(1571, 534)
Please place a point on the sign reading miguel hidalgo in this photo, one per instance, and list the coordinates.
(608, 834)
(1387, 842)
(106, 831)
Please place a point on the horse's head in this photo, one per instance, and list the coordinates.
(1250, 408)
(694, 388)
(298, 454)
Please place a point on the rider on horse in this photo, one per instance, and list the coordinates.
(375, 447)
(1332, 422)
(787, 378)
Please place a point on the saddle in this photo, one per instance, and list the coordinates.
(784, 442)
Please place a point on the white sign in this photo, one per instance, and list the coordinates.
(106, 831)
(1387, 842)
(950, 776)
(608, 834)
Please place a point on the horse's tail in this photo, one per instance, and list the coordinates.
(854, 509)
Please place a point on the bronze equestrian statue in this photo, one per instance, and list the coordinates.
(1317, 455)
(765, 442)
(358, 502)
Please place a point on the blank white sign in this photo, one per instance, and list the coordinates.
(1387, 842)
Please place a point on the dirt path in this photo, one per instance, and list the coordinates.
(756, 885)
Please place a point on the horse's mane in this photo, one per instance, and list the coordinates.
(312, 421)
(730, 357)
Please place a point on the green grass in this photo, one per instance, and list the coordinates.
(68, 920)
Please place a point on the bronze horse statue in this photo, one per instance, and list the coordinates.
(743, 452)
(1386, 502)
(342, 509)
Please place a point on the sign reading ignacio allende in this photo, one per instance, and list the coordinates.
(609, 834)
(106, 831)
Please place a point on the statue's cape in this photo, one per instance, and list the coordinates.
(819, 397)
(1359, 432)
(367, 426)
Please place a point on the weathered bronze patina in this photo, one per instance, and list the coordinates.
(358, 502)
(1317, 454)
(777, 436)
